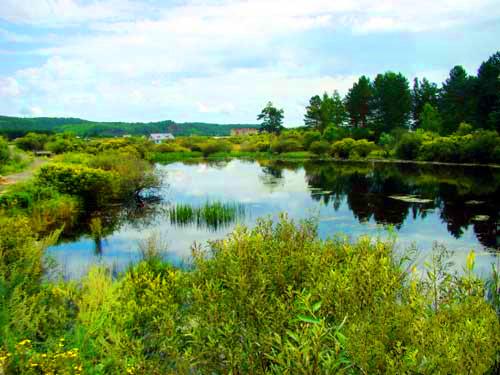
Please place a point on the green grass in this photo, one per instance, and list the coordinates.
(212, 215)
(168, 157)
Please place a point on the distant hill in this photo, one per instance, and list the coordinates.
(13, 127)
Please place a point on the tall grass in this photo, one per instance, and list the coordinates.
(212, 215)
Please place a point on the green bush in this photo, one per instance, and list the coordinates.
(95, 186)
(282, 145)
(335, 133)
(342, 149)
(255, 146)
(481, 147)
(364, 147)
(4, 151)
(32, 142)
(408, 146)
(309, 138)
(214, 146)
(444, 149)
(319, 147)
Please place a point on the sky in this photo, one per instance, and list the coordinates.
(223, 60)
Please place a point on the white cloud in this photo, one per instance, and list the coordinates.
(56, 13)
(33, 111)
(200, 59)
(9, 87)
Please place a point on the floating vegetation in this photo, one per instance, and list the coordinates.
(481, 218)
(410, 199)
(474, 202)
(212, 215)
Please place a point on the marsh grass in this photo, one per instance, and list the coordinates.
(212, 215)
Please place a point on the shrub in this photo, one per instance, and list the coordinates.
(464, 129)
(214, 146)
(170, 147)
(364, 147)
(444, 149)
(95, 186)
(335, 133)
(319, 147)
(32, 142)
(481, 147)
(310, 137)
(255, 146)
(4, 151)
(343, 148)
(286, 145)
(408, 146)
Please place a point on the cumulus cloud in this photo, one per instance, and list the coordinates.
(199, 59)
(56, 13)
(9, 87)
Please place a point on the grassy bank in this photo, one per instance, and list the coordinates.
(274, 299)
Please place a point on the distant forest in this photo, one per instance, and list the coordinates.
(13, 127)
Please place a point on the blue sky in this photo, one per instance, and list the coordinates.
(222, 60)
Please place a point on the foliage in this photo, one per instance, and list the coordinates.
(408, 146)
(423, 93)
(324, 111)
(282, 145)
(319, 147)
(213, 215)
(17, 127)
(357, 102)
(488, 89)
(457, 102)
(4, 151)
(271, 119)
(94, 186)
(272, 299)
(430, 119)
(391, 102)
(349, 147)
(213, 146)
(32, 142)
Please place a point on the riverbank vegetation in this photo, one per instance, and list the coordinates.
(273, 299)
(12, 160)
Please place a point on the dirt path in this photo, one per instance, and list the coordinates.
(22, 176)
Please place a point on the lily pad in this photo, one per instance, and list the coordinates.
(474, 202)
(410, 199)
(481, 218)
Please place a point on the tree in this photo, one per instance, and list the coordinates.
(457, 101)
(391, 102)
(430, 119)
(324, 111)
(357, 102)
(272, 119)
(422, 93)
(488, 89)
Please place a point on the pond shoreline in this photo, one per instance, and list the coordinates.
(264, 156)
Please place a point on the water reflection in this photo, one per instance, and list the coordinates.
(458, 207)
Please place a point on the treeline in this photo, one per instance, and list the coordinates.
(388, 102)
(13, 127)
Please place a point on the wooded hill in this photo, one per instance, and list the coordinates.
(13, 127)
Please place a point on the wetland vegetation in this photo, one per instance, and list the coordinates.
(287, 251)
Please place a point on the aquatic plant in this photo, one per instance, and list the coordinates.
(212, 215)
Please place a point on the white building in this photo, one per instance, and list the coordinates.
(160, 137)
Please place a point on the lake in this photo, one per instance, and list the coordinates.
(422, 204)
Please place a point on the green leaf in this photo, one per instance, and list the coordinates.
(316, 306)
(308, 319)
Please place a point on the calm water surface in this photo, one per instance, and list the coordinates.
(456, 207)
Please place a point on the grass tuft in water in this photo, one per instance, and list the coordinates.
(213, 215)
